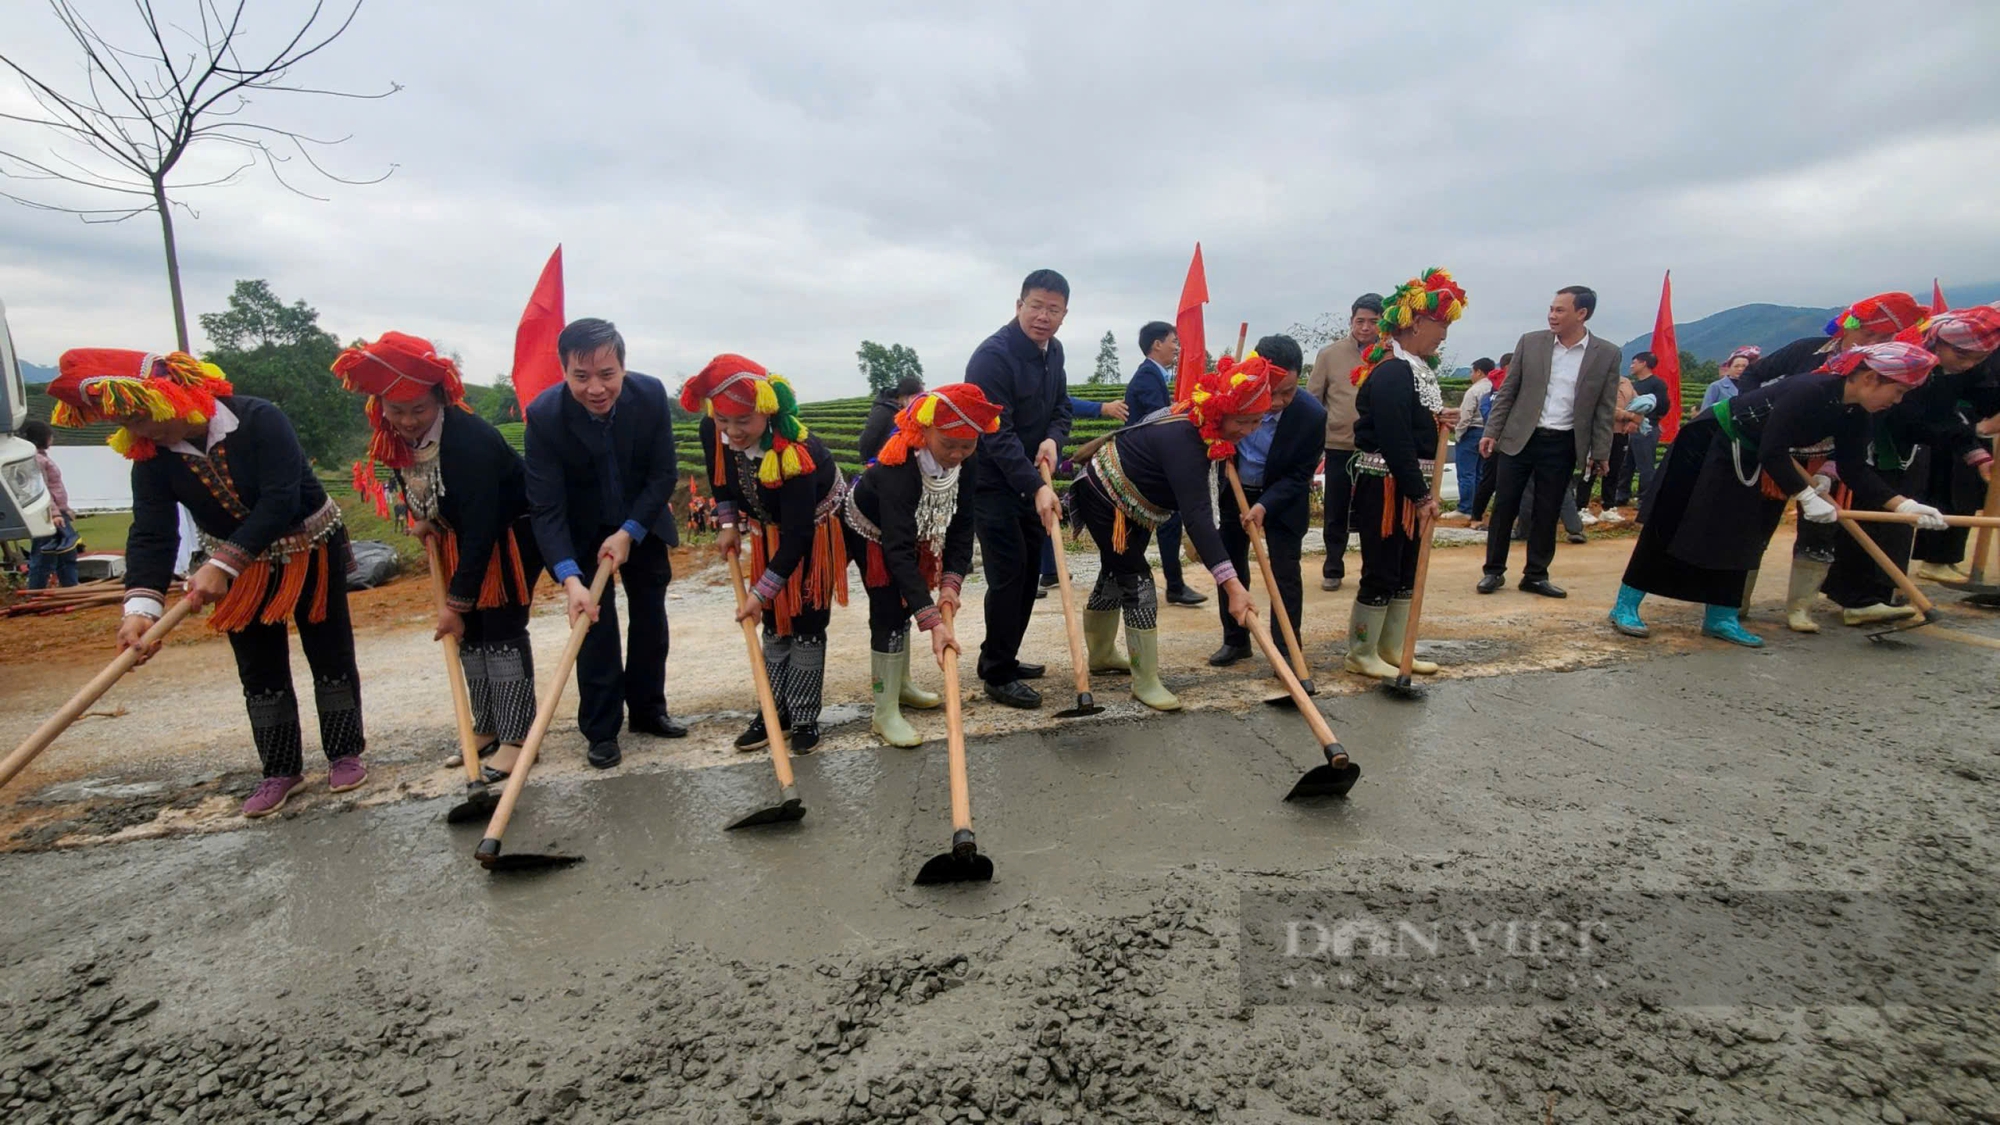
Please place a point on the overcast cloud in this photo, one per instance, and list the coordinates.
(785, 180)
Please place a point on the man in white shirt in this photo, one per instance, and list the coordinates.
(1553, 411)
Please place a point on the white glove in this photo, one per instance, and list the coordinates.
(1815, 508)
(1928, 518)
(1822, 484)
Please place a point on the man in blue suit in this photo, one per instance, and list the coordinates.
(600, 452)
(1148, 391)
(1276, 463)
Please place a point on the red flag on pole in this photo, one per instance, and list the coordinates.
(1667, 354)
(1937, 299)
(537, 367)
(1188, 328)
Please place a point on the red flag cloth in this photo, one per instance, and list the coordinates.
(1937, 299)
(1667, 356)
(537, 367)
(1188, 328)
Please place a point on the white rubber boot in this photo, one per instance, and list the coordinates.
(888, 721)
(1364, 636)
(1396, 626)
(1807, 577)
(1146, 685)
(911, 695)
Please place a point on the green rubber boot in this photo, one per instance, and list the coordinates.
(1146, 685)
(888, 721)
(1100, 637)
(1396, 626)
(912, 695)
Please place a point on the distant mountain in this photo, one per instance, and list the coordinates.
(1773, 326)
(35, 374)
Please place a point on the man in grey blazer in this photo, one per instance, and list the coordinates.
(1553, 411)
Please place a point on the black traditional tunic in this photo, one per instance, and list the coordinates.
(1727, 480)
(475, 491)
(912, 533)
(1148, 472)
(1395, 435)
(798, 556)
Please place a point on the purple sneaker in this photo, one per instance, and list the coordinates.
(271, 794)
(346, 773)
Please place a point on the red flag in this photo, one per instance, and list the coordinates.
(1188, 328)
(1937, 299)
(1667, 359)
(537, 367)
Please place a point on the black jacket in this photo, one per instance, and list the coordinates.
(1167, 462)
(1296, 449)
(1032, 391)
(888, 496)
(485, 494)
(881, 423)
(1392, 421)
(272, 478)
(587, 478)
(1802, 411)
(790, 507)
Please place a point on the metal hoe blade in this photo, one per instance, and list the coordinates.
(1328, 780)
(1919, 621)
(1402, 688)
(789, 808)
(1086, 706)
(1284, 699)
(962, 864)
(477, 807)
(490, 858)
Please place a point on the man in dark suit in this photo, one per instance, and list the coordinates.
(1149, 390)
(600, 451)
(1553, 411)
(1020, 369)
(1276, 464)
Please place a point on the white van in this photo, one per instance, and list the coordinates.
(24, 495)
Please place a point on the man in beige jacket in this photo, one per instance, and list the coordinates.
(1330, 384)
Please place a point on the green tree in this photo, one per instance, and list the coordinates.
(1108, 370)
(279, 352)
(884, 367)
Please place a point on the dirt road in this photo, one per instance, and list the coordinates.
(352, 964)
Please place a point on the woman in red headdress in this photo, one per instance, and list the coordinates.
(909, 525)
(1147, 472)
(1731, 472)
(465, 490)
(276, 549)
(777, 482)
(1967, 344)
(1399, 411)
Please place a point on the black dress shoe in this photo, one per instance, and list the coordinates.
(1030, 671)
(1041, 592)
(604, 755)
(1048, 581)
(802, 739)
(1014, 693)
(1578, 537)
(1228, 654)
(1330, 583)
(1544, 587)
(661, 725)
(1491, 582)
(1185, 596)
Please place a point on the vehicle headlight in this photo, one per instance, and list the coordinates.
(24, 480)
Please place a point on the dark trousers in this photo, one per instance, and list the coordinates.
(1010, 547)
(1855, 580)
(1285, 552)
(1124, 578)
(1388, 560)
(607, 685)
(1954, 487)
(499, 666)
(1489, 477)
(264, 665)
(1646, 459)
(1615, 487)
(1548, 460)
(1169, 535)
(888, 614)
(1339, 497)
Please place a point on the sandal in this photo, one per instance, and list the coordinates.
(485, 751)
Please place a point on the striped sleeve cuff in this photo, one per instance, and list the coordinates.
(768, 586)
(145, 603)
(1978, 457)
(725, 511)
(566, 570)
(1224, 571)
(231, 558)
(929, 617)
(632, 528)
(952, 582)
(460, 605)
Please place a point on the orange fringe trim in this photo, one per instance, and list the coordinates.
(493, 586)
(1117, 529)
(240, 608)
(1774, 491)
(875, 573)
(718, 477)
(826, 562)
(1396, 510)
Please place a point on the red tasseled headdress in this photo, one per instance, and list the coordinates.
(959, 408)
(397, 368)
(1232, 388)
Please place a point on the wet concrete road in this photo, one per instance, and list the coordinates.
(369, 943)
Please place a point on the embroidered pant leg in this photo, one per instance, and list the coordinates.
(264, 665)
(329, 649)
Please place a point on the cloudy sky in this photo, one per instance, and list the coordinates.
(787, 179)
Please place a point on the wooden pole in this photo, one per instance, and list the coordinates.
(454, 671)
(1983, 542)
(1270, 576)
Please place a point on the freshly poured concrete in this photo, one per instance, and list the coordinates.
(357, 965)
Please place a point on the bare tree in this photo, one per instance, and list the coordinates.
(141, 110)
